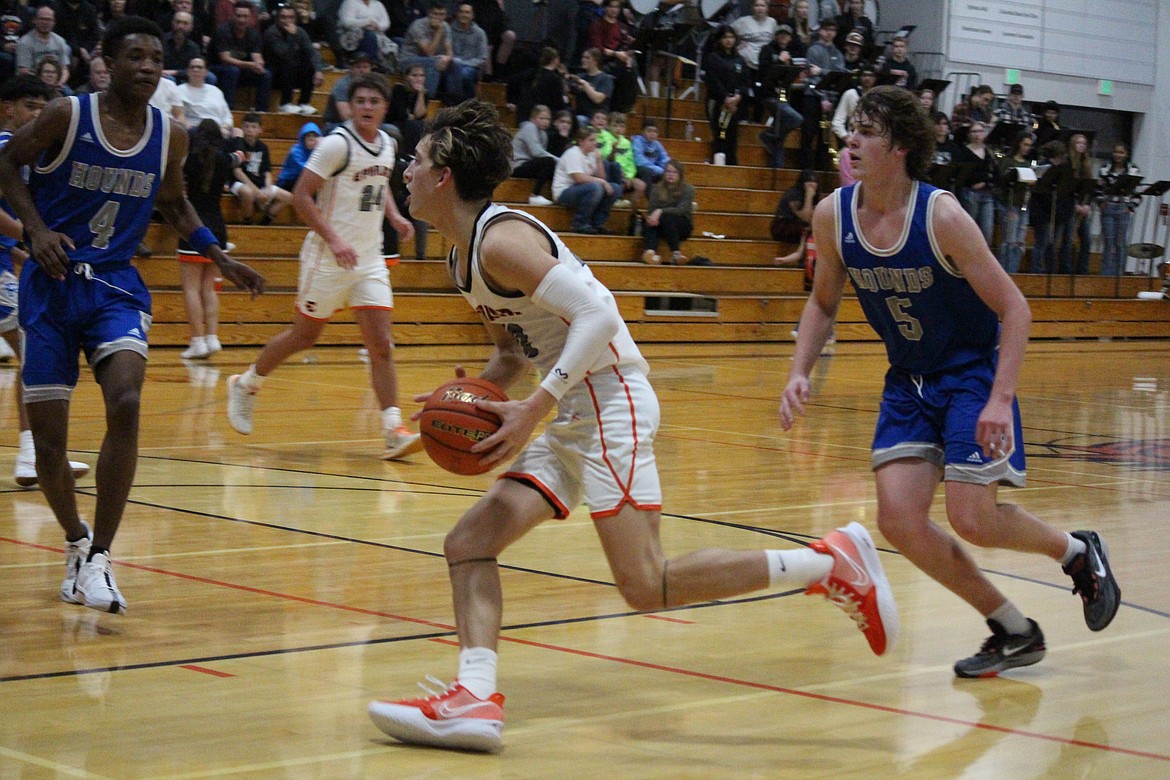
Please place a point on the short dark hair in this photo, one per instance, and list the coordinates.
(648, 123)
(470, 141)
(24, 85)
(123, 27)
(435, 5)
(251, 116)
(904, 122)
(374, 81)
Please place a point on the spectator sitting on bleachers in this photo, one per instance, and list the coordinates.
(180, 47)
(579, 183)
(899, 65)
(823, 57)
(854, 20)
(99, 78)
(202, 25)
(593, 88)
(1048, 128)
(469, 52)
(254, 186)
(238, 58)
(867, 78)
(204, 101)
(650, 156)
(976, 108)
(545, 86)
(530, 156)
(15, 20)
(41, 42)
(851, 51)
(294, 62)
(605, 143)
(81, 28)
(428, 43)
(621, 152)
(1014, 110)
(670, 216)
(361, 27)
(560, 137)
(49, 71)
(802, 28)
(793, 218)
(727, 84)
(298, 155)
(166, 98)
(492, 17)
(109, 10)
(755, 31)
(408, 108)
(775, 98)
(927, 98)
(610, 34)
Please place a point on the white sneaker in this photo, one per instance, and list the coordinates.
(229, 247)
(241, 402)
(95, 586)
(213, 344)
(307, 109)
(539, 200)
(6, 352)
(75, 555)
(400, 442)
(290, 108)
(621, 204)
(24, 473)
(451, 717)
(197, 351)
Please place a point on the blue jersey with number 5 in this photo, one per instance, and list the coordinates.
(925, 311)
(100, 196)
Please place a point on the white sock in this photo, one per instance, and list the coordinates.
(251, 380)
(477, 670)
(797, 567)
(654, 88)
(1075, 548)
(1011, 619)
(391, 418)
(26, 444)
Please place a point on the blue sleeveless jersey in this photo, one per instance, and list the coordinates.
(99, 196)
(920, 305)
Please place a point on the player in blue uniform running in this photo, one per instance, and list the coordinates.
(100, 164)
(955, 328)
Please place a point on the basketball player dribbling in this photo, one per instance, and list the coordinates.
(100, 164)
(542, 306)
(955, 328)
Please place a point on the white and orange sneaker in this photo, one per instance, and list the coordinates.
(452, 717)
(400, 442)
(858, 585)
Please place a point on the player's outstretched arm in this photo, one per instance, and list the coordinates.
(177, 211)
(46, 133)
(820, 312)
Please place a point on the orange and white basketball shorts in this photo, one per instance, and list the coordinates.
(325, 287)
(600, 447)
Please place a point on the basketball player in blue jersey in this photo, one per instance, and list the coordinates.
(542, 307)
(100, 164)
(22, 98)
(955, 328)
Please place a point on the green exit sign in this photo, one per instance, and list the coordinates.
(1104, 87)
(1011, 76)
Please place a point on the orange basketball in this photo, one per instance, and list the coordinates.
(451, 424)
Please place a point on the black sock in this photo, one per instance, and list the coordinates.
(94, 550)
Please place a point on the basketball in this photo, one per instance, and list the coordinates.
(451, 424)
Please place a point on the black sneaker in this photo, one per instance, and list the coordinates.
(1093, 580)
(1003, 651)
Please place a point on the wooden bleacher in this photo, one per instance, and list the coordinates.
(741, 299)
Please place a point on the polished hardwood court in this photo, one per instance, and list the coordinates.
(278, 582)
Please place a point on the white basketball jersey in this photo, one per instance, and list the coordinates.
(353, 197)
(539, 332)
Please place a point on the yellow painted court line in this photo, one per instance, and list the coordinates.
(60, 769)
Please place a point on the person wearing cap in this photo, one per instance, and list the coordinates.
(1013, 109)
(854, 42)
(900, 66)
(854, 20)
(1048, 128)
(778, 100)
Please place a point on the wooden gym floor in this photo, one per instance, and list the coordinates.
(278, 582)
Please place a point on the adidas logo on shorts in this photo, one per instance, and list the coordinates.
(975, 457)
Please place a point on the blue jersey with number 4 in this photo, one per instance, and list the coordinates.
(925, 311)
(100, 196)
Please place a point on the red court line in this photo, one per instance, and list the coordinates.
(639, 664)
(204, 670)
(670, 620)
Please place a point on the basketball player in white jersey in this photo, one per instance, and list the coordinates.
(342, 195)
(542, 306)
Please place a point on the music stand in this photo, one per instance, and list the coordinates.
(674, 60)
(934, 85)
(1145, 250)
(835, 81)
(778, 76)
(1004, 134)
(884, 79)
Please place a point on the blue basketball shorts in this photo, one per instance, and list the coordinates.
(933, 417)
(99, 310)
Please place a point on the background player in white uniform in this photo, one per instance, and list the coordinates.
(542, 305)
(341, 260)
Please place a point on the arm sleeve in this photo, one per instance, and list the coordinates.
(592, 325)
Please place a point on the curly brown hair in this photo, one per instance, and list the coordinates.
(903, 120)
(469, 139)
